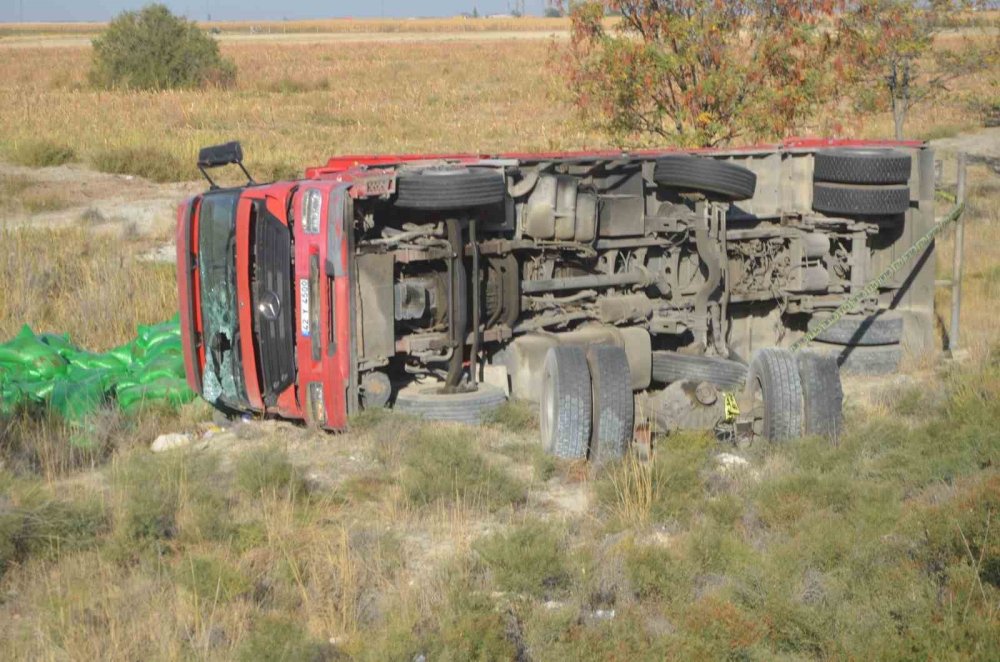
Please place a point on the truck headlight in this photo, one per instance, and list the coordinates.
(311, 206)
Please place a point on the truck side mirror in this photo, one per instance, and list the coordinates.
(218, 156)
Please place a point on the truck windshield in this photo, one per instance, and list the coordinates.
(223, 379)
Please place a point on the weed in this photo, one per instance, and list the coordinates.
(441, 464)
(148, 163)
(529, 559)
(655, 573)
(33, 524)
(666, 487)
(42, 153)
(211, 580)
(268, 471)
(167, 497)
(515, 416)
(286, 85)
(543, 464)
(71, 278)
(275, 639)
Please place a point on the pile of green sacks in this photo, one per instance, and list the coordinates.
(47, 371)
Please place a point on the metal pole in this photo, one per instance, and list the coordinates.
(957, 265)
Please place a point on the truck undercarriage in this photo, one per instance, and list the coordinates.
(614, 290)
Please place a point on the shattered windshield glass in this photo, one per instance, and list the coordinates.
(223, 380)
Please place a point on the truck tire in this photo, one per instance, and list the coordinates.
(776, 390)
(613, 403)
(822, 395)
(426, 401)
(449, 188)
(848, 200)
(867, 361)
(671, 367)
(566, 406)
(717, 180)
(885, 328)
(869, 165)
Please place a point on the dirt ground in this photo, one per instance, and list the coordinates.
(103, 201)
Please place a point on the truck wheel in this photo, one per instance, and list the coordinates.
(449, 188)
(847, 200)
(613, 403)
(822, 395)
(717, 180)
(671, 367)
(849, 165)
(885, 328)
(427, 401)
(774, 387)
(565, 413)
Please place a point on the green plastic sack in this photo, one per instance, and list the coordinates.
(26, 356)
(163, 367)
(76, 400)
(91, 361)
(47, 370)
(36, 391)
(173, 392)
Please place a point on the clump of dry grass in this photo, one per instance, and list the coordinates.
(69, 279)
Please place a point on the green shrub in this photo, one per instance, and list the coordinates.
(152, 164)
(42, 154)
(212, 580)
(529, 559)
(268, 471)
(443, 465)
(670, 486)
(515, 416)
(151, 49)
(654, 573)
(281, 640)
(39, 526)
(155, 492)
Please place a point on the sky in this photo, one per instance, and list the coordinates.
(222, 10)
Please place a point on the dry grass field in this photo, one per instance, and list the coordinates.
(401, 541)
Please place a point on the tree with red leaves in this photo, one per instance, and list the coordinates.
(705, 72)
(702, 72)
(890, 44)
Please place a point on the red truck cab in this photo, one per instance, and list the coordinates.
(259, 337)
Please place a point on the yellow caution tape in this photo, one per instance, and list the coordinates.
(732, 407)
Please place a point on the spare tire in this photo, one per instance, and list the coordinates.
(669, 367)
(717, 180)
(864, 165)
(868, 361)
(426, 401)
(845, 200)
(885, 328)
(449, 188)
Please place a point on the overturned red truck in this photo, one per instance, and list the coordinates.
(611, 288)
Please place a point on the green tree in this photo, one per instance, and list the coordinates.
(151, 49)
(895, 64)
(701, 72)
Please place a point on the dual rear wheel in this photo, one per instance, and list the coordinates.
(586, 409)
(791, 395)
